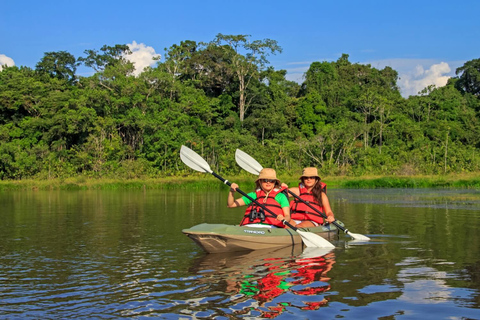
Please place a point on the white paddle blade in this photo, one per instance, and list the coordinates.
(193, 160)
(314, 240)
(247, 163)
(357, 236)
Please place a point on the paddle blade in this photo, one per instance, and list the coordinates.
(247, 163)
(194, 160)
(358, 236)
(314, 240)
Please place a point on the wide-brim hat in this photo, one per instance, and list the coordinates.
(267, 173)
(310, 172)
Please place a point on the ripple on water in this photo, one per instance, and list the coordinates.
(412, 269)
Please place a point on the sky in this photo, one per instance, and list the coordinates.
(424, 41)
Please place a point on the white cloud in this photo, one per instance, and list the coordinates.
(415, 81)
(417, 74)
(4, 60)
(142, 56)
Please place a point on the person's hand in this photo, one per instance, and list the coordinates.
(284, 185)
(233, 187)
(280, 217)
(330, 219)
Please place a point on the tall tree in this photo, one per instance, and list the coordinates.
(247, 58)
(60, 65)
(175, 64)
(110, 56)
(210, 70)
(469, 80)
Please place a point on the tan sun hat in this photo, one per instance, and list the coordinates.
(267, 173)
(310, 172)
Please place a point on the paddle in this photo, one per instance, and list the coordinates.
(196, 162)
(251, 165)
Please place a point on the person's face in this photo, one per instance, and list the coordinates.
(267, 184)
(309, 182)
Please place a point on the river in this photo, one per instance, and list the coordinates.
(121, 254)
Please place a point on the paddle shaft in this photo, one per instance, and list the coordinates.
(318, 211)
(228, 183)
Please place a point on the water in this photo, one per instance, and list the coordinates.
(121, 254)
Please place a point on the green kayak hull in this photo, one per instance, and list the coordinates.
(219, 238)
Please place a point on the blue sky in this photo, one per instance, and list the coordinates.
(425, 41)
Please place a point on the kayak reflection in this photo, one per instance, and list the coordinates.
(264, 276)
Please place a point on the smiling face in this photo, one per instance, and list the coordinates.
(267, 184)
(309, 182)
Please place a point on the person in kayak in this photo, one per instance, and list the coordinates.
(268, 193)
(311, 190)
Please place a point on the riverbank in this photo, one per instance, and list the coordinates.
(203, 181)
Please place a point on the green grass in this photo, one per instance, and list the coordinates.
(452, 181)
(203, 182)
(208, 182)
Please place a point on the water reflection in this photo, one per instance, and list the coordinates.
(268, 279)
(116, 254)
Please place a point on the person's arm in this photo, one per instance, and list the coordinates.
(231, 202)
(292, 189)
(327, 209)
(286, 214)
(283, 201)
(295, 190)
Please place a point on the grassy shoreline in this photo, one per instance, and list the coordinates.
(203, 181)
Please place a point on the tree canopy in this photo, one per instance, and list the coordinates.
(345, 118)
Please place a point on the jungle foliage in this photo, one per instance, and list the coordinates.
(345, 118)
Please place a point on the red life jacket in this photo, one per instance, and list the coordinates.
(300, 211)
(270, 203)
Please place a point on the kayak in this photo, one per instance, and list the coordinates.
(219, 238)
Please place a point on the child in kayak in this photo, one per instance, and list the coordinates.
(314, 192)
(268, 193)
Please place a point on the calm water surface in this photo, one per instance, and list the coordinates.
(121, 254)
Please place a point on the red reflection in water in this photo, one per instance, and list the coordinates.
(276, 282)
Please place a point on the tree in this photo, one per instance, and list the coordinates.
(210, 70)
(61, 65)
(311, 114)
(176, 58)
(469, 79)
(272, 108)
(322, 77)
(246, 66)
(347, 118)
(110, 57)
(112, 69)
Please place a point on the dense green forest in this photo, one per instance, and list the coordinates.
(345, 118)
